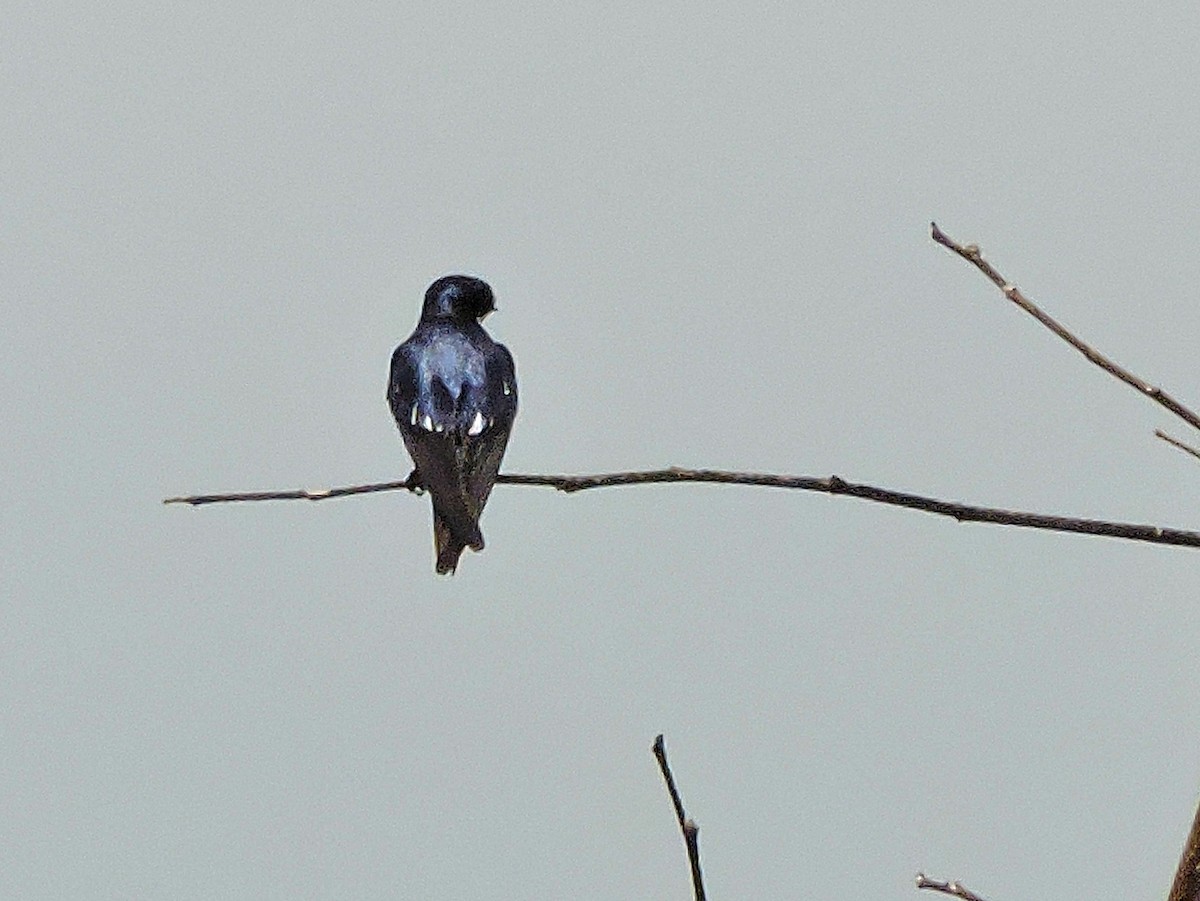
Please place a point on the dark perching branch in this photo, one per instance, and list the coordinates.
(972, 254)
(691, 832)
(829, 485)
(947, 888)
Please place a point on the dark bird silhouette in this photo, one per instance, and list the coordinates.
(453, 391)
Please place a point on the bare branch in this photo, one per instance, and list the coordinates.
(1186, 886)
(972, 254)
(1175, 442)
(958, 890)
(300, 494)
(830, 485)
(691, 832)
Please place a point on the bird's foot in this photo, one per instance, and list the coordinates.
(415, 484)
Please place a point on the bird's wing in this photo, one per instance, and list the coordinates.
(492, 409)
(439, 460)
(402, 385)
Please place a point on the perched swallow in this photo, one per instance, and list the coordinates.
(453, 391)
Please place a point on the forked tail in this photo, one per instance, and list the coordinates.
(449, 547)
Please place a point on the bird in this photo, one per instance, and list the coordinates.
(453, 393)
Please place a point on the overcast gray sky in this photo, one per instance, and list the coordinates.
(707, 230)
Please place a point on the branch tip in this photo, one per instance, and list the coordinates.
(1175, 442)
(687, 826)
(972, 255)
(957, 889)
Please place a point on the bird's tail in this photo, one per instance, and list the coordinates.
(449, 546)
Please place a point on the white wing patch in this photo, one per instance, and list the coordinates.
(476, 425)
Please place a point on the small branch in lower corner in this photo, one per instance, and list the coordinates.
(687, 826)
(957, 889)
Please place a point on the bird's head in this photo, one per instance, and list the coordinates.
(459, 297)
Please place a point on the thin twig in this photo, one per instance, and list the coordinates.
(691, 832)
(1175, 442)
(972, 254)
(830, 485)
(957, 889)
(300, 494)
